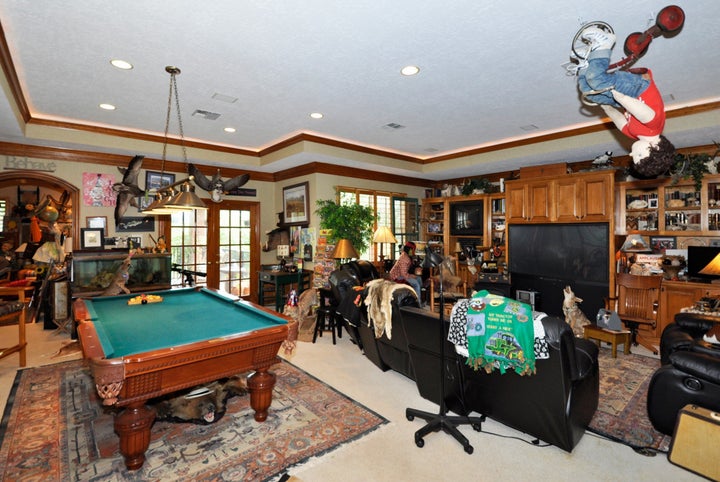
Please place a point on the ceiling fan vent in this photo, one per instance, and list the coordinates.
(205, 114)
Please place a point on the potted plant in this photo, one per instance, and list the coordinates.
(694, 166)
(476, 186)
(347, 221)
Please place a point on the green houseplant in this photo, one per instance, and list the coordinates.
(347, 221)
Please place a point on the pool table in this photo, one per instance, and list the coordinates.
(193, 336)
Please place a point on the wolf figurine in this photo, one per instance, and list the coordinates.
(573, 314)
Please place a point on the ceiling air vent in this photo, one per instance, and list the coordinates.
(205, 114)
(393, 125)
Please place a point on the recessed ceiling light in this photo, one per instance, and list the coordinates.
(229, 129)
(410, 70)
(107, 106)
(121, 64)
(316, 115)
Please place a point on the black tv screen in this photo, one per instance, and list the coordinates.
(560, 251)
(466, 218)
(697, 258)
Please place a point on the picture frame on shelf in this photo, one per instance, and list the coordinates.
(91, 239)
(296, 204)
(653, 203)
(661, 243)
(97, 222)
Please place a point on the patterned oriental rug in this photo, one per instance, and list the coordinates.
(622, 410)
(54, 428)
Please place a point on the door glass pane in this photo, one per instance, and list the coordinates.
(188, 245)
(235, 234)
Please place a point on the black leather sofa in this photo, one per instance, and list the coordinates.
(343, 282)
(389, 353)
(689, 374)
(555, 405)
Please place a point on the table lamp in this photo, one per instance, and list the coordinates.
(383, 235)
(712, 268)
(344, 250)
(635, 243)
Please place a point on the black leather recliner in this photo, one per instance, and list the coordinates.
(342, 284)
(555, 405)
(690, 371)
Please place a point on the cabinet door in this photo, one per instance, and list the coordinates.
(540, 201)
(673, 297)
(516, 198)
(569, 206)
(596, 199)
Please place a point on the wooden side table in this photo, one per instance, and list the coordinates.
(592, 332)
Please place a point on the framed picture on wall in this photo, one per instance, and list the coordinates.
(296, 205)
(97, 222)
(661, 243)
(91, 238)
(156, 180)
(136, 223)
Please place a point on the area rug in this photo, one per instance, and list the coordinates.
(54, 428)
(622, 409)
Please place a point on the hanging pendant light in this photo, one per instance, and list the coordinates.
(167, 199)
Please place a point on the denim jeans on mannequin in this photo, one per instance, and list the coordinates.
(596, 77)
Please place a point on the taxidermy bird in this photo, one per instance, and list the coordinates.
(128, 190)
(216, 186)
(603, 159)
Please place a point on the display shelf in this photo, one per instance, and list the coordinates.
(669, 207)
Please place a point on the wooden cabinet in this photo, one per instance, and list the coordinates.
(587, 198)
(436, 222)
(662, 207)
(578, 197)
(675, 295)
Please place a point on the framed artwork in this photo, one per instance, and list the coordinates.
(91, 238)
(98, 189)
(296, 204)
(97, 222)
(144, 202)
(653, 203)
(156, 180)
(661, 243)
(139, 224)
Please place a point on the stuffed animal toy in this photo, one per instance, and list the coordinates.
(573, 315)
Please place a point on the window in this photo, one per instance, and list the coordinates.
(392, 209)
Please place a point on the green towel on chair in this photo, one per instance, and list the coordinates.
(500, 334)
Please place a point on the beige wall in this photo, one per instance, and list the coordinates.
(269, 194)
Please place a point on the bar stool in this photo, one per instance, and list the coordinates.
(326, 319)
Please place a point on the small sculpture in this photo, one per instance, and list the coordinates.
(128, 189)
(216, 186)
(573, 315)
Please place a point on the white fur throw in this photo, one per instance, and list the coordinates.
(379, 302)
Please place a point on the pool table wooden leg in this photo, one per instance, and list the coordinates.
(261, 385)
(133, 427)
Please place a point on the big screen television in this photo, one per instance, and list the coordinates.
(466, 218)
(697, 258)
(547, 257)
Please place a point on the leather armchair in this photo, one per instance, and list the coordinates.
(690, 371)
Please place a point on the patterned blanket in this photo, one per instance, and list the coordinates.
(498, 332)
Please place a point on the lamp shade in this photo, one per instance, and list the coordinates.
(635, 243)
(384, 235)
(186, 198)
(713, 267)
(344, 250)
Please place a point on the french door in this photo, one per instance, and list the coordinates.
(222, 242)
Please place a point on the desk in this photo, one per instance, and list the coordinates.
(280, 279)
(193, 336)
